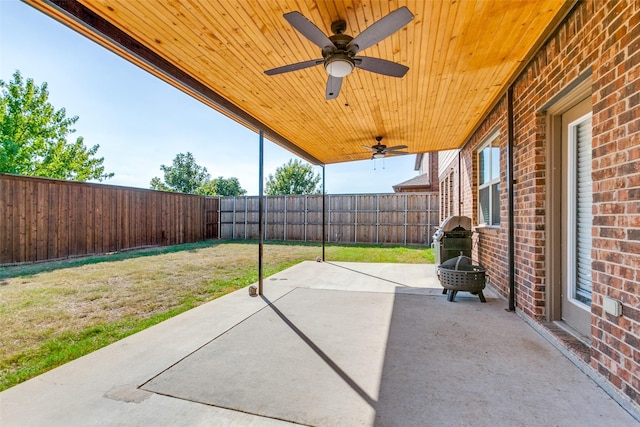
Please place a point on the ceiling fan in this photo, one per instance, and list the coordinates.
(380, 150)
(339, 50)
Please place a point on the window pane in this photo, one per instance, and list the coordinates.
(484, 164)
(484, 205)
(495, 163)
(495, 204)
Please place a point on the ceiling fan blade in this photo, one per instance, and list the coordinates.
(370, 148)
(308, 29)
(381, 66)
(333, 87)
(397, 147)
(293, 67)
(395, 153)
(381, 29)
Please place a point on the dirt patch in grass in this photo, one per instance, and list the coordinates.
(53, 313)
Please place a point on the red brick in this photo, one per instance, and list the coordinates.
(603, 37)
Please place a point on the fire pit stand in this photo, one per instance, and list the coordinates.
(458, 274)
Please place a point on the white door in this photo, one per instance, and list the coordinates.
(577, 217)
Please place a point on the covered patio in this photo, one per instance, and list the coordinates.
(331, 344)
(328, 344)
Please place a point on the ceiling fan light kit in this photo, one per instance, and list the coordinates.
(339, 50)
(339, 65)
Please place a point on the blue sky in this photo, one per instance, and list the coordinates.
(141, 122)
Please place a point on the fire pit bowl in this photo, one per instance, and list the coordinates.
(458, 274)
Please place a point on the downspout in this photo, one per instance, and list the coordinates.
(460, 183)
(510, 200)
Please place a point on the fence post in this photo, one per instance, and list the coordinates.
(305, 217)
(428, 219)
(284, 221)
(355, 221)
(233, 229)
(404, 234)
(329, 220)
(266, 213)
(246, 215)
(377, 219)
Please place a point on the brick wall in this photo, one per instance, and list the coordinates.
(490, 245)
(602, 37)
(615, 351)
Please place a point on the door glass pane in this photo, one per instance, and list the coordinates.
(584, 216)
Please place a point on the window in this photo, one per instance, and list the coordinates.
(489, 183)
(446, 196)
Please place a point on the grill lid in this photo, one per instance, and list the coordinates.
(455, 223)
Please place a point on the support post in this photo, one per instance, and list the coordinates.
(260, 212)
(323, 214)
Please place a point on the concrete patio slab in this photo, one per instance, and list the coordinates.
(330, 344)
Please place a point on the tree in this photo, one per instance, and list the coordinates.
(294, 177)
(222, 187)
(33, 136)
(183, 176)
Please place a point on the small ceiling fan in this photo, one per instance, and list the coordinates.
(339, 50)
(380, 150)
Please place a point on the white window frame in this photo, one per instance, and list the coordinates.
(489, 184)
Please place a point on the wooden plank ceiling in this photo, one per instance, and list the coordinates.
(460, 55)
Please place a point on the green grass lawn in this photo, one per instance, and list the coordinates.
(55, 312)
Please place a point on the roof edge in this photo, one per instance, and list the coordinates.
(84, 21)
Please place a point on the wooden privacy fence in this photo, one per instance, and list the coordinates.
(400, 218)
(44, 219)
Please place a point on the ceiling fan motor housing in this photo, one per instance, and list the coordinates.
(339, 26)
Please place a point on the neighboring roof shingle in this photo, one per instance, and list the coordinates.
(418, 181)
